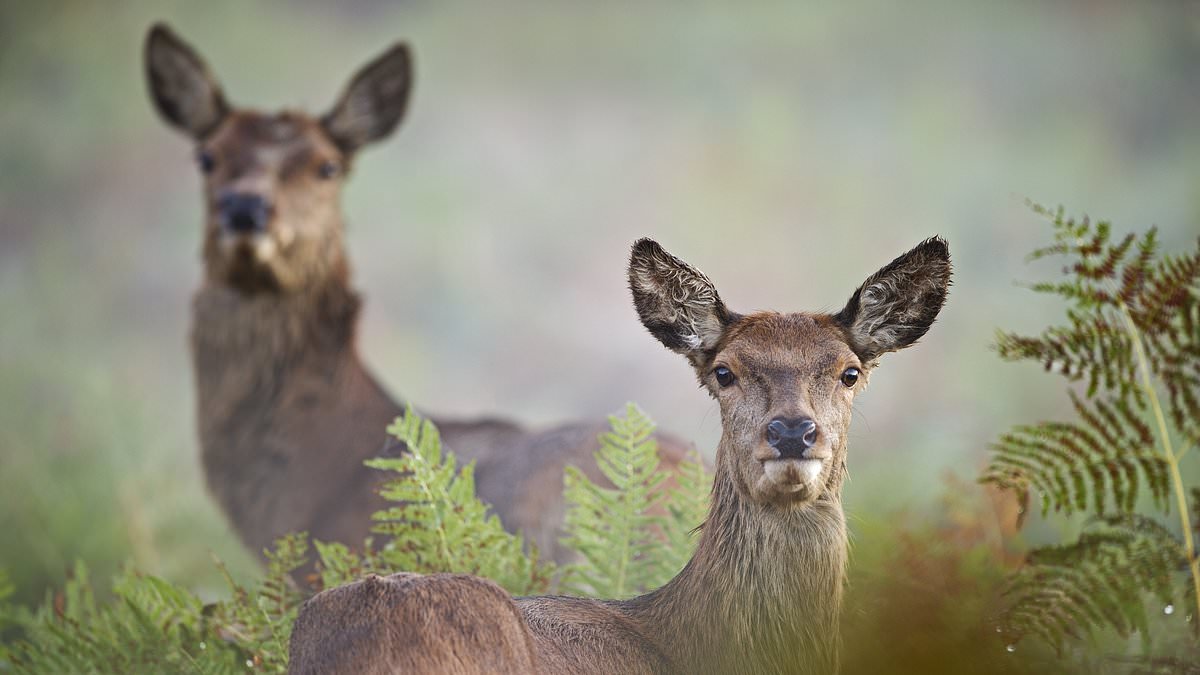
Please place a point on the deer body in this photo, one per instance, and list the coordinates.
(286, 409)
(763, 591)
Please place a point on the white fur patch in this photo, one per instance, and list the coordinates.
(811, 469)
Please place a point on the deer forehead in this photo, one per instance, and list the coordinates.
(787, 346)
(252, 139)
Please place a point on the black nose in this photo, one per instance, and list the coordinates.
(792, 437)
(244, 213)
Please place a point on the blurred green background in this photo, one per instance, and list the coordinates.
(786, 149)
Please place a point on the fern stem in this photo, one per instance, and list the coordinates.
(1172, 459)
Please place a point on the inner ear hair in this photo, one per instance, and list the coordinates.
(676, 302)
(895, 307)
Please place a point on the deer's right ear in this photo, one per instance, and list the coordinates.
(676, 302)
(895, 306)
(185, 93)
(373, 103)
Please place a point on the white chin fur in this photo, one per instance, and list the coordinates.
(793, 475)
(264, 248)
(811, 469)
(262, 245)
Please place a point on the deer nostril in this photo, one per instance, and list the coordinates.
(808, 433)
(776, 430)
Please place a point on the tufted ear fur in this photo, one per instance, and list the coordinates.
(373, 103)
(676, 302)
(894, 307)
(184, 92)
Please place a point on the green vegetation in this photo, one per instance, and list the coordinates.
(1132, 336)
(619, 532)
(437, 524)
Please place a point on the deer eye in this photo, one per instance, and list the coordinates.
(206, 161)
(328, 169)
(850, 376)
(724, 376)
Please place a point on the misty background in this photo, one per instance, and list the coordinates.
(788, 150)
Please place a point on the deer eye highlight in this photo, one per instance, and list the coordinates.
(328, 169)
(724, 376)
(206, 161)
(850, 376)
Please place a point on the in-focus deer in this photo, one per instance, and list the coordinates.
(763, 591)
(287, 412)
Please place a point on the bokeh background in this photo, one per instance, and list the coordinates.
(786, 149)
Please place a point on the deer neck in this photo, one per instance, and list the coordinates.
(763, 592)
(258, 330)
(254, 353)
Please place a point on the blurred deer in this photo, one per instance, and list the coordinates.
(763, 591)
(287, 412)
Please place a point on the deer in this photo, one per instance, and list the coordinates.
(763, 591)
(286, 409)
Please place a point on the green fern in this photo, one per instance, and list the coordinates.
(438, 524)
(260, 619)
(625, 544)
(153, 626)
(687, 507)
(1132, 332)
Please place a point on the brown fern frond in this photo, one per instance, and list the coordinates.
(1133, 335)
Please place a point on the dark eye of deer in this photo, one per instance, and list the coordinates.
(206, 161)
(327, 170)
(850, 376)
(724, 376)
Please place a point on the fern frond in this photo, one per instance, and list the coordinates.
(151, 626)
(1098, 581)
(613, 529)
(437, 524)
(687, 507)
(1132, 331)
(1105, 456)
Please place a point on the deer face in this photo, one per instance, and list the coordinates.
(786, 382)
(272, 181)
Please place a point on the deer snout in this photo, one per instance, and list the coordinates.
(792, 437)
(244, 212)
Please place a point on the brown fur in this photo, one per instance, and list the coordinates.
(287, 412)
(422, 622)
(763, 592)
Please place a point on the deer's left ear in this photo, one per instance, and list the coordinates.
(373, 103)
(676, 302)
(894, 307)
(183, 90)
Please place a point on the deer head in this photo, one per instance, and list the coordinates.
(786, 382)
(272, 181)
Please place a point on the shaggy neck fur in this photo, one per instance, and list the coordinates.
(763, 592)
(260, 359)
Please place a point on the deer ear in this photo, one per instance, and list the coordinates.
(184, 92)
(373, 103)
(894, 307)
(676, 302)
